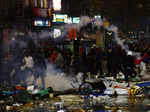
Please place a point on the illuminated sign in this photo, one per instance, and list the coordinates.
(57, 5)
(60, 18)
(56, 33)
(42, 12)
(42, 23)
(97, 17)
(76, 19)
(69, 20)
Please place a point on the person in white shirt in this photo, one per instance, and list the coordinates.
(28, 62)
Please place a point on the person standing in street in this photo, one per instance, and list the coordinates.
(40, 68)
(129, 68)
(28, 65)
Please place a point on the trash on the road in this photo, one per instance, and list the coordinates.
(41, 104)
(78, 110)
(59, 106)
(107, 107)
(120, 76)
(135, 90)
(22, 97)
(29, 104)
(71, 99)
(45, 93)
(60, 110)
(32, 97)
(121, 91)
(109, 91)
(17, 104)
(9, 108)
(101, 99)
(30, 88)
(51, 95)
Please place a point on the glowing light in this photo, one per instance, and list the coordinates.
(140, 5)
(129, 53)
(57, 33)
(98, 16)
(69, 20)
(76, 19)
(109, 33)
(42, 23)
(13, 38)
(50, 11)
(57, 5)
(60, 18)
(106, 23)
(45, 3)
(35, 23)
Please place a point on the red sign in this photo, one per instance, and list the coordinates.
(70, 34)
(42, 12)
(73, 33)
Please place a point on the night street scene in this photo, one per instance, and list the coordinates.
(74, 55)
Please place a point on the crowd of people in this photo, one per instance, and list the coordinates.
(95, 61)
(105, 62)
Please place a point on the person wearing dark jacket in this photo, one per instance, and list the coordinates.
(129, 67)
(40, 68)
(99, 58)
(112, 63)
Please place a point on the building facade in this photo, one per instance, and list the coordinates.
(23, 12)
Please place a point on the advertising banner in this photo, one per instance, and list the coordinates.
(62, 18)
(76, 20)
(57, 5)
(56, 33)
(45, 23)
(72, 34)
(39, 12)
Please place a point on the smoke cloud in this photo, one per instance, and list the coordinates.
(54, 77)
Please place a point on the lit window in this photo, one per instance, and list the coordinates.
(35, 23)
(57, 5)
